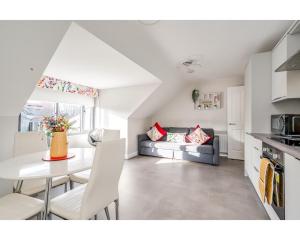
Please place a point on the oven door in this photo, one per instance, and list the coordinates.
(278, 203)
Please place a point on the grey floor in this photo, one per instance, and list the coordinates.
(157, 188)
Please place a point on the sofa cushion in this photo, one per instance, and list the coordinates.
(208, 131)
(205, 148)
(158, 144)
(198, 136)
(175, 130)
(156, 132)
(176, 137)
(186, 147)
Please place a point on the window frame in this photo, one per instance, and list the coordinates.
(82, 118)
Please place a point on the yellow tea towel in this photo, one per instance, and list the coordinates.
(266, 176)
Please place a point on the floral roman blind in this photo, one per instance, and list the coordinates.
(67, 87)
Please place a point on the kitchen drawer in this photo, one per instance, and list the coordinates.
(256, 152)
(257, 144)
(254, 178)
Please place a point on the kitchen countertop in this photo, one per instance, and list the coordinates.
(291, 150)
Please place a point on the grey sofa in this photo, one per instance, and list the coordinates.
(206, 153)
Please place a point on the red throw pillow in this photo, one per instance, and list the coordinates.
(198, 136)
(156, 133)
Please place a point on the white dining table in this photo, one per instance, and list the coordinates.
(32, 166)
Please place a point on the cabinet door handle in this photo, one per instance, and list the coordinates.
(256, 148)
(255, 168)
(232, 124)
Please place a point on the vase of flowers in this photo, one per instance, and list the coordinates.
(57, 128)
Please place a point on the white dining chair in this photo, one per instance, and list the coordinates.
(83, 177)
(15, 206)
(78, 141)
(85, 201)
(30, 142)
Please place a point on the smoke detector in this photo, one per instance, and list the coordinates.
(190, 64)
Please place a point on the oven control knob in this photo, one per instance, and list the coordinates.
(265, 149)
(275, 156)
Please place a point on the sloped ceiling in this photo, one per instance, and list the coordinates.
(26, 48)
(224, 48)
(85, 59)
(125, 100)
(130, 39)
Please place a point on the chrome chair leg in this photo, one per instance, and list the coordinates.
(17, 189)
(71, 185)
(95, 217)
(39, 216)
(117, 208)
(47, 197)
(66, 187)
(107, 213)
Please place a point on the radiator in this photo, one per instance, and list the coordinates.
(223, 142)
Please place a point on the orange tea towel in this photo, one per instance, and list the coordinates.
(266, 176)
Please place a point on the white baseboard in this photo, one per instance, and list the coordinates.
(131, 155)
(223, 155)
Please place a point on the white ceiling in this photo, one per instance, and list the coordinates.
(223, 47)
(85, 59)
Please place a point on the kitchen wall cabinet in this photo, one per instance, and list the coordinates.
(285, 84)
(292, 189)
(258, 93)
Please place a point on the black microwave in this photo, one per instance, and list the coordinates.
(286, 124)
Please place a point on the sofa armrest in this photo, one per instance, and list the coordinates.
(216, 147)
(140, 138)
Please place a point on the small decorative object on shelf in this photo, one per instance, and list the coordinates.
(195, 96)
(57, 128)
(208, 101)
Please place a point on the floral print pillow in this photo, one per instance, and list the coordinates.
(176, 137)
(156, 133)
(198, 136)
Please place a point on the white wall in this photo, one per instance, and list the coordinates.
(26, 48)
(123, 101)
(117, 104)
(136, 127)
(8, 128)
(179, 112)
(258, 88)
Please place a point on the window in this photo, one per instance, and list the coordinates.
(32, 115)
(33, 112)
(74, 113)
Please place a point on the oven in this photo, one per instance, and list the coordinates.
(277, 159)
(286, 124)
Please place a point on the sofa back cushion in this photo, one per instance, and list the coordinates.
(175, 130)
(209, 131)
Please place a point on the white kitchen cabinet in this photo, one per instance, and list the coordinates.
(292, 189)
(258, 82)
(253, 152)
(247, 155)
(285, 84)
